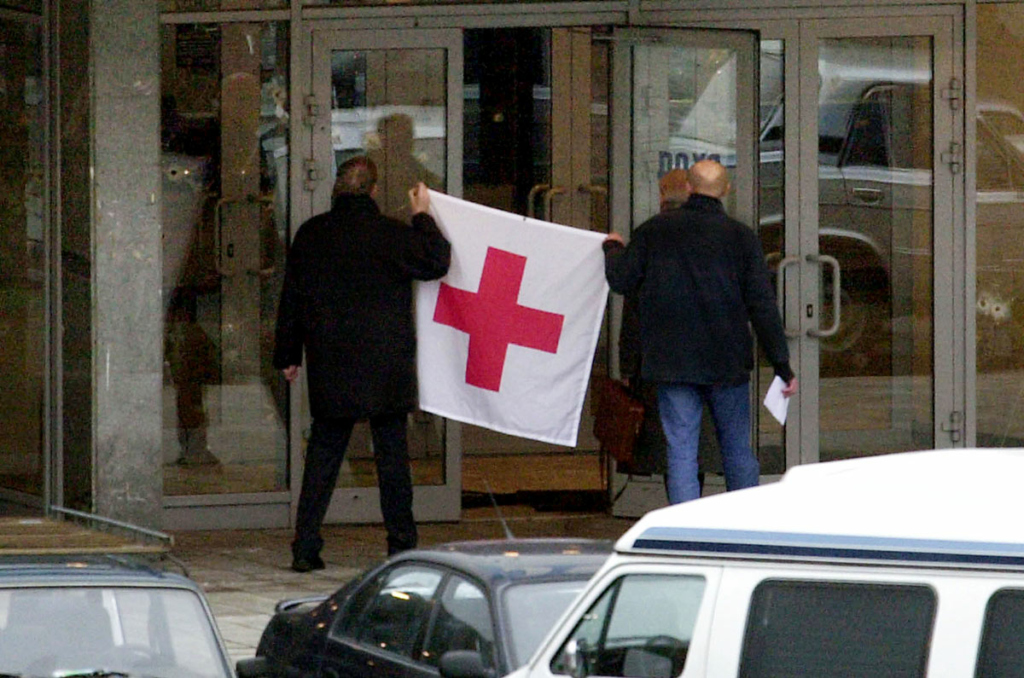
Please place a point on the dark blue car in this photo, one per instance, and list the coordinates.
(466, 608)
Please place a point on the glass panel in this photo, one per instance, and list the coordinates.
(531, 611)
(1000, 228)
(831, 629)
(463, 622)
(684, 110)
(225, 118)
(22, 258)
(157, 632)
(510, 129)
(1001, 652)
(640, 627)
(875, 218)
(391, 105)
(691, 115)
(398, 613)
(771, 177)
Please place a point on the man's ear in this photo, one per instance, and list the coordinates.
(374, 191)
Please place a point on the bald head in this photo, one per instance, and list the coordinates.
(709, 178)
(674, 188)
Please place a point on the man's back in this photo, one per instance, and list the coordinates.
(348, 302)
(701, 279)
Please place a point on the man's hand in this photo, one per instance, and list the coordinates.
(291, 372)
(615, 237)
(419, 198)
(790, 389)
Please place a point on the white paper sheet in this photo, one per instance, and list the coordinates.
(777, 403)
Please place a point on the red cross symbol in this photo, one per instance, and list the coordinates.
(494, 319)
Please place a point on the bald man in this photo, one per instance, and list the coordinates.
(702, 283)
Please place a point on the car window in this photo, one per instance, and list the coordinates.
(824, 629)
(640, 627)
(998, 169)
(532, 609)
(1002, 654)
(872, 141)
(463, 622)
(157, 632)
(391, 612)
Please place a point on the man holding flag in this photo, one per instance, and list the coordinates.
(348, 301)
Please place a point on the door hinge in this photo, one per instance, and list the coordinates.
(954, 157)
(312, 110)
(312, 175)
(954, 94)
(954, 426)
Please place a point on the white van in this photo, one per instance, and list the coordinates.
(900, 565)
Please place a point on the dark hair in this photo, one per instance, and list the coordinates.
(356, 176)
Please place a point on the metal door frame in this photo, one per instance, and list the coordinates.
(947, 190)
(311, 190)
(746, 43)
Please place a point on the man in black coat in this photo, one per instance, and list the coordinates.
(702, 282)
(348, 300)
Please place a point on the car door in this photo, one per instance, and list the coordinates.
(380, 633)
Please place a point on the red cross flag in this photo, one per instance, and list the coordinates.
(507, 338)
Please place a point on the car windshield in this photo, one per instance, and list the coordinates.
(58, 631)
(531, 610)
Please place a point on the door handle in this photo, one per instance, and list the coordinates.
(869, 196)
(779, 289)
(532, 197)
(836, 296)
(549, 196)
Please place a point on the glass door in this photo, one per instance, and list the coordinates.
(23, 264)
(395, 96)
(879, 167)
(678, 96)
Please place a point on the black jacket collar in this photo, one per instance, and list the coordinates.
(705, 202)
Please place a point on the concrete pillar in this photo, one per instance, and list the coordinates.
(127, 353)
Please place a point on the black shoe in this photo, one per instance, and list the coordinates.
(308, 564)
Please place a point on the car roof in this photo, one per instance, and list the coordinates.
(86, 570)
(509, 561)
(953, 507)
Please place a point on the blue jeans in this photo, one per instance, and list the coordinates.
(681, 406)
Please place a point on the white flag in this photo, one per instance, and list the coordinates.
(507, 338)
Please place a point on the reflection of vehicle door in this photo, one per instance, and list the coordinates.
(691, 95)
(878, 168)
(395, 96)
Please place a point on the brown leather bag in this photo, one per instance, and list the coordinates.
(618, 416)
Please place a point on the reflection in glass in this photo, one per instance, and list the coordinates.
(391, 106)
(688, 114)
(22, 258)
(691, 116)
(1000, 228)
(225, 223)
(876, 219)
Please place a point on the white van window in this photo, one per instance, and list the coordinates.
(640, 627)
(824, 629)
(1002, 654)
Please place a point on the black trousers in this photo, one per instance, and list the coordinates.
(324, 455)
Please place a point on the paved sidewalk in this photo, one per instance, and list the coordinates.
(246, 572)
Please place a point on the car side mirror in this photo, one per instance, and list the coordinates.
(462, 664)
(253, 667)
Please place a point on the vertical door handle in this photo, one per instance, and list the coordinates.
(548, 197)
(780, 271)
(824, 259)
(532, 197)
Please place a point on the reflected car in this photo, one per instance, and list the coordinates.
(99, 615)
(463, 608)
